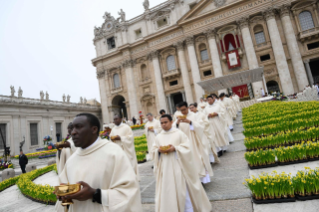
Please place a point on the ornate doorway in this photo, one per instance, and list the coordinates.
(119, 106)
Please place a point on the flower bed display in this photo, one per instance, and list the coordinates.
(275, 117)
(275, 124)
(299, 153)
(8, 183)
(39, 154)
(4, 165)
(282, 139)
(37, 192)
(140, 144)
(277, 188)
(138, 127)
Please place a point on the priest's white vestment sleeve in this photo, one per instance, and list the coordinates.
(174, 174)
(126, 143)
(104, 166)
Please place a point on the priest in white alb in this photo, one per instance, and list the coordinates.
(178, 188)
(202, 104)
(177, 113)
(215, 113)
(151, 129)
(230, 113)
(237, 100)
(193, 127)
(208, 136)
(65, 150)
(122, 135)
(103, 170)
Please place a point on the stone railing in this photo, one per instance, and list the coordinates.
(15, 101)
(308, 34)
(116, 90)
(170, 74)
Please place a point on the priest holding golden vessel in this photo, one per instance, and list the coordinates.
(107, 179)
(189, 124)
(216, 115)
(178, 188)
(122, 135)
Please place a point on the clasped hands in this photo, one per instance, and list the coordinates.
(212, 115)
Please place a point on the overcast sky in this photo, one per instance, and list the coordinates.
(47, 44)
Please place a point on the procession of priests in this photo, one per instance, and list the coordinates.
(181, 148)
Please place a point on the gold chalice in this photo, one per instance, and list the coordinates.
(181, 117)
(59, 143)
(114, 138)
(165, 148)
(64, 190)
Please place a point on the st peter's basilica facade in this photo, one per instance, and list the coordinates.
(168, 53)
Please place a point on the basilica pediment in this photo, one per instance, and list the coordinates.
(205, 7)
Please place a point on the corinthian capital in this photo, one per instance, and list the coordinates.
(210, 33)
(100, 74)
(153, 55)
(269, 13)
(285, 10)
(189, 41)
(243, 22)
(128, 63)
(179, 45)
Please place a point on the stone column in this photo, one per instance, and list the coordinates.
(310, 77)
(211, 36)
(161, 102)
(181, 58)
(103, 96)
(299, 68)
(250, 50)
(278, 49)
(169, 104)
(130, 81)
(218, 71)
(199, 92)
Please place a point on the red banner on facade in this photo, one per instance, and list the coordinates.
(241, 91)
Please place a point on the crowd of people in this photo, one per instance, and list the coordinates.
(181, 146)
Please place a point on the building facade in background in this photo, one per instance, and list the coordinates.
(32, 119)
(158, 59)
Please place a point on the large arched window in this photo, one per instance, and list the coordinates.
(170, 62)
(306, 21)
(259, 34)
(145, 74)
(203, 52)
(116, 81)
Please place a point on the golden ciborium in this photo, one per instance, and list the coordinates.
(59, 143)
(64, 190)
(165, 148)
(150, 128)
(182, 117)
(114, 138)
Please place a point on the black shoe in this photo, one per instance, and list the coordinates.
(232, 130)
(224, 151)
(152, 167)
(219, 153)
